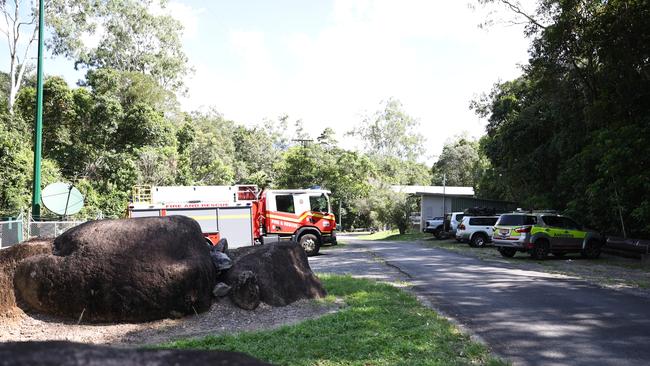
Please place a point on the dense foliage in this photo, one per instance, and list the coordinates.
(123, 128)
(572, 133)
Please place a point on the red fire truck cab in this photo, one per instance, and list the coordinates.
(243, 214)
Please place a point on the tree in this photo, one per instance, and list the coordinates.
(457, 163)
(254, 156)
(136, 40)
(208, 151)
(131, 39)
(327, 138)
(300, 167)
(390, 132)
(67, 21)
(571, 132)
(389, 208)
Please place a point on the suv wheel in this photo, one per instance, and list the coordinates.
(478, 240)
(437, 234)
(540, 250)
(591, 250)
(507, 252)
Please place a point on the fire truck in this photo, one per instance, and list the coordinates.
(244, 215)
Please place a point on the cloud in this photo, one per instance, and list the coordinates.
(430, 55)
(187, 15)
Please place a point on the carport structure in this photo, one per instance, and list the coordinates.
(435, 201)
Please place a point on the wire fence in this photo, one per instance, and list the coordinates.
(50, 229)
(16, 229)
(12, 231)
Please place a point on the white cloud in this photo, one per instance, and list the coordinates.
(185, 14)
(430, 55)
(188, 16)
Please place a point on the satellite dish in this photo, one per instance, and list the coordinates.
(62, 199)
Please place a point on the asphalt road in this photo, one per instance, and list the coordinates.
(525, 316)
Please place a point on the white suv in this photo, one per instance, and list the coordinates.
(452, 221)
(476, 230)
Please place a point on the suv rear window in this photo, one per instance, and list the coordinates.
(517, 220)
(483, 221)
(459, 217)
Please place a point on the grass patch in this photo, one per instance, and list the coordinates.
(394, 235)
(381, 325)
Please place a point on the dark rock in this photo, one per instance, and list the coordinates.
(282, 271)
(72, 354)
(245, 292)
(220, 290)
(137, 269)
(220, 260)
(9, 259)
(222, 245)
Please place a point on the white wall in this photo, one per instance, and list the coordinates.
(431, 206)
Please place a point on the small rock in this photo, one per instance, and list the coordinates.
(245, 291)
(220, 260)
(221, 290)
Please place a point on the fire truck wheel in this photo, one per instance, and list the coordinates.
(310, 243)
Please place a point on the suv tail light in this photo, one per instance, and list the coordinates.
(461, 227)
(525, 229)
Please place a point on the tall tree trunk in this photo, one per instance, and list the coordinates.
(13, 34)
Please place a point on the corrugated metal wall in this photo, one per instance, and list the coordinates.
(462, 203)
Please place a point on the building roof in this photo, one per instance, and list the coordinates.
(435, 190)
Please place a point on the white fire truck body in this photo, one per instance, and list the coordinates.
(242, 214)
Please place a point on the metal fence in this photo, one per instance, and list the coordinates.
(50, 229)
(11, 231)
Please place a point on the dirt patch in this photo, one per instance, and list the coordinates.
(9, 259)
(222, 318)
(608, 271)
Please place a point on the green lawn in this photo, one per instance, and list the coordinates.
(381, 325)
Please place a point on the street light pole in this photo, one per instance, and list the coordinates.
(444, 198)
(38, 127)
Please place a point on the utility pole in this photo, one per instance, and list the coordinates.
(444, 200)
(303, 142)
(38, 127)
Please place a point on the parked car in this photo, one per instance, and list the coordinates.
(542, 233)
(452, 220)
(476, 230)
(434, 226)
(415, 218)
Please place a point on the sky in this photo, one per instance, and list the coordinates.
(332, 62)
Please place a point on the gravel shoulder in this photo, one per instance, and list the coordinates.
(222, 318)
(608, 271)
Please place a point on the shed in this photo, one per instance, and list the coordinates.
(435, 201)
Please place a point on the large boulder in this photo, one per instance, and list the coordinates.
(132, 270)
(73, 354)
(9, 259)
(278, 272)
